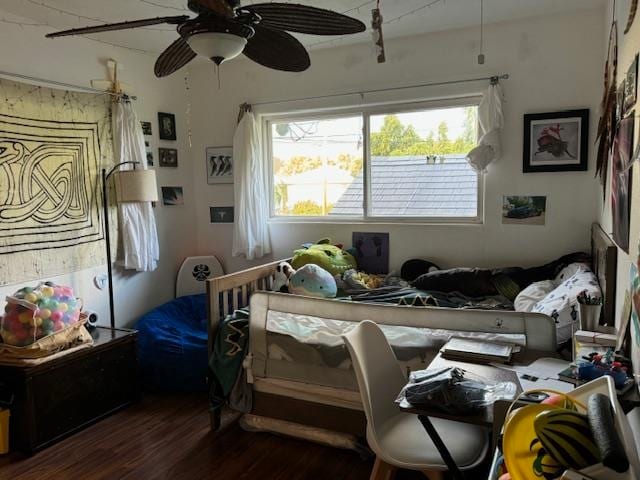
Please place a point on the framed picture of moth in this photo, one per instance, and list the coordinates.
(556, 141)
(219, 164)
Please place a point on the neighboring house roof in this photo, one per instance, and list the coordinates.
(409, 186)
(330, 173)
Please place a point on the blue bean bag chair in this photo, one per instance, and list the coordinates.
(172, 345)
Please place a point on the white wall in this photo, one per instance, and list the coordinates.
(78, 61)
(554, 64)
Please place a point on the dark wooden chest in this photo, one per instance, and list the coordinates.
(54, 399)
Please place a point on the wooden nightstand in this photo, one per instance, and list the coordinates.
(57, 398)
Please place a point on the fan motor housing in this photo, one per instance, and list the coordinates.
(213, 24)
(197, 7)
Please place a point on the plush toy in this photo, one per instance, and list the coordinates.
(330, 257)
(412, 269)
(358, 280)
(313, 281)
(282, 276)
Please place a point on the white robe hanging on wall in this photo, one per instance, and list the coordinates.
(251, 232)
(139, 238)
(491, 122)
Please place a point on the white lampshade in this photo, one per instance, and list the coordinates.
(217, 46)
(136, 186)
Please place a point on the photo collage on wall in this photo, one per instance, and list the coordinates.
(167, 155)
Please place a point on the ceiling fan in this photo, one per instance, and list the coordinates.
(223, 29)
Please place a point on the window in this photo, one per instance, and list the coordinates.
(397, 163)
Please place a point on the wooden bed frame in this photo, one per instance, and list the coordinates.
(230, 292)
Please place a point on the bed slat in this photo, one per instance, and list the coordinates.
(245, 296)
(235, 293)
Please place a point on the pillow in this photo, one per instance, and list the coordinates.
(569, 271)
(527, 298)
(562, 303)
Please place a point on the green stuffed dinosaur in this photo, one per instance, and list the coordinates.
(330, 257)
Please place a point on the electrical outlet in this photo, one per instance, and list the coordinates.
(100, 281)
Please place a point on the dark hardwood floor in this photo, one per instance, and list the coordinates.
(168, 437)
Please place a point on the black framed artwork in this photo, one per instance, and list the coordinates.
(168, 157)
(556, 141)
(167, 126)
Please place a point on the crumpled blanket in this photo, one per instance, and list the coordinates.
(416, 297)
(227, 383)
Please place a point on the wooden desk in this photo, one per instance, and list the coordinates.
(485, 417)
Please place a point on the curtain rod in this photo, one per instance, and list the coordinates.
(62, 84)
(494, 79)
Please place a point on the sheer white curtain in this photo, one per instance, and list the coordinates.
(491, 122)
(139, 238)
(251, 232)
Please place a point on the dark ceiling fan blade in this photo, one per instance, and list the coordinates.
(277, 49)
(109, 27)
(176, 56)
(305, 19)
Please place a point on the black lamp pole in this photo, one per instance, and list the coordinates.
(105, 204)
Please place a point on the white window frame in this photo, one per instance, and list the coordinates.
(366, 112)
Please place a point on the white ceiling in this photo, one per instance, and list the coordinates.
(402, 17)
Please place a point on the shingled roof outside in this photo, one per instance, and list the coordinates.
(411, 186)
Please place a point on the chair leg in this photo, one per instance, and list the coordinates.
(382, 470)
(434, 474)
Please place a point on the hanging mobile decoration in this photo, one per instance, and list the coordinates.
(376, 32)
(481, 54)
(187, 88)
(632, 15)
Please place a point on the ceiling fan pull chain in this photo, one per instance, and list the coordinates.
(481, 57)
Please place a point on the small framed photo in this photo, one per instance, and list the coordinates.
(146, 128)
(219, 164)
(172, 196)
(221, 214)
(524, 210)
(168, 157)
(556, 141)
(167, 126)
(631, 86)
(149, 158)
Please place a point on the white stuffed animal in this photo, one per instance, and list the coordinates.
(282, 276)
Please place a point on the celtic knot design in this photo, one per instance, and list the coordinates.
(45, 183)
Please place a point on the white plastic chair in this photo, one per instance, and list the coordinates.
(397, 438)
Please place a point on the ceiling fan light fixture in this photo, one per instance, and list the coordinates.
(217, 46)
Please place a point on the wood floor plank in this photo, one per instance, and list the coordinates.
(168, 436)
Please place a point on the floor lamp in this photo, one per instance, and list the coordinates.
(131, 186)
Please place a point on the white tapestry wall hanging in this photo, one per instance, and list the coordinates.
(53, 144)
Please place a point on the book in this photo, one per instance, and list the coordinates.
(479, 351)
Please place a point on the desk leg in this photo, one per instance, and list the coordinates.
(454, 471)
